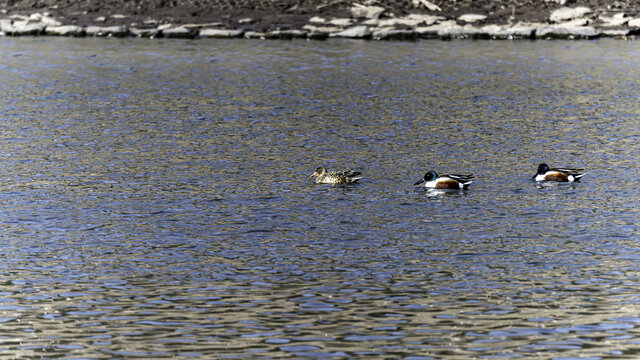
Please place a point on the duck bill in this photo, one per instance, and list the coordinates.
(419, 182)
(313, 175)
(534, 177)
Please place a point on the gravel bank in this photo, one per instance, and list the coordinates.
(312, 19)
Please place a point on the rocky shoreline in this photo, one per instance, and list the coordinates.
(358, 20)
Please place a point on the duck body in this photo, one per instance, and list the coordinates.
(336, 177)
(451, 181)
(564, 174)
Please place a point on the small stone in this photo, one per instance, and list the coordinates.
(118, 16)
(245, 21)
(100, 19)
(220, 33)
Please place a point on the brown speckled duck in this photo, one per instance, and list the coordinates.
(335, 177)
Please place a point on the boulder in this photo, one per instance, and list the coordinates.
(65, 30)
(220, 33)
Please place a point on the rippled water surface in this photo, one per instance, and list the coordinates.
(155, 199)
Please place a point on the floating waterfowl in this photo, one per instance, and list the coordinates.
(335, 177)
(545, 173)
(452, 181)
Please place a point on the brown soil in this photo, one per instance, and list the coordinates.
(286, 14)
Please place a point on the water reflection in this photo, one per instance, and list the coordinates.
(155, 199)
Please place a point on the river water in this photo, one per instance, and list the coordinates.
(155, 199)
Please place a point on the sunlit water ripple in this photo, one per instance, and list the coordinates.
(155, 199)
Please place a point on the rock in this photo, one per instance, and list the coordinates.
(634, 22)
(574, 23)
(254, 35)
(285, 34)
(566, 13)
(200, 26)
(107, 31)
(368, 12)
(615, 33)
(396, 22)
(325, 29)
(462, 32)
(218, 33)
(393, 34)
(425, 19)
(344, 22)
(24, 27)
(245, 21)
(44, 19)
(317, 34)
(147, 33)
(613, 21)
(471, 18)
(5, 27)
(558, 32)
(517, 31)
(100, 19)
(431, 32)
(66, 30)
(429, 5)
(356, 32)
(317, 20)
(179, 32)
